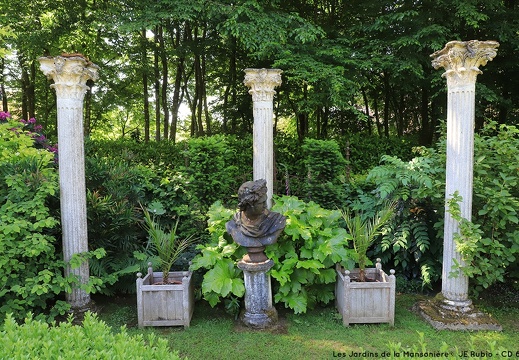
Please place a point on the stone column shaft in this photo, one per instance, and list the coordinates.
(70, 75)
(259, 312)
(461, 61)
(262, 83)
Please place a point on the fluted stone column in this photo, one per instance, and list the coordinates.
(261, 83)
(70, 74)
(461, 60)
(259, 312)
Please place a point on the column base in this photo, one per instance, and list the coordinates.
(457, 306)
(444, 314)
(265, 319)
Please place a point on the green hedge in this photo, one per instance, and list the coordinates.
(213, 168)
(93, 340)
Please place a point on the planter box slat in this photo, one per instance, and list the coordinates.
(365, 302)
(165, 305)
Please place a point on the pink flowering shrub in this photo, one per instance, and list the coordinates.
(4, 115)
(35, 130)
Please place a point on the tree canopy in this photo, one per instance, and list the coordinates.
(348, 66)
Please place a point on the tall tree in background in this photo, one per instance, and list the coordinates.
(349, 66)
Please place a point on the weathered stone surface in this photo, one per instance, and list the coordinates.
(461, 61)
(70, 74)
(443, 316)
(261, 83)
(259, 312)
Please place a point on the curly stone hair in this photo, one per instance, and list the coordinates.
(250, 192)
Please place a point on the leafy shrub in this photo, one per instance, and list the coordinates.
(114, 191)
(490, 243)
(219, 257)
(93, 340)
(30, 267)
(153, 154)
(304, 256)
(365, 151)
(291, 176)
(412, 244)
(306, 253)
(291, 173)
(209, 170)
(325, 172)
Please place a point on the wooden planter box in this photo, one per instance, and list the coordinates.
(365, 302)
(164, 305)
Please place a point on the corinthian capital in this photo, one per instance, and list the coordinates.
(462, 59)
(70, 74)
(262, 82)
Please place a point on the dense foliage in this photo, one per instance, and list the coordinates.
(92, 340)
(182, 180)
(114, 192)
(172, 68)
(304, 256)
(411, 243)
(30, 266)
(490, 243)
(325, 169)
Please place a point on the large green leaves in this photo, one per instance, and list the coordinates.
(304, 256)
(223, 280)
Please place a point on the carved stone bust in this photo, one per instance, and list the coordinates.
(254, 226)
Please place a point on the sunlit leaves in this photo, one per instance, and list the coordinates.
(304, 256)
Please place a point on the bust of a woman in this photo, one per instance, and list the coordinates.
(254, 226)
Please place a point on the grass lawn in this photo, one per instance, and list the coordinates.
(319, 334)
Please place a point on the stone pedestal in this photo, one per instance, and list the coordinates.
(262, 83)
(259, 312)
(70, 74)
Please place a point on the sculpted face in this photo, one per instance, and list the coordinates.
(256, 209)
(254, 226)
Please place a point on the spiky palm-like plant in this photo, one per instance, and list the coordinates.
(167, 244)
(364, 230)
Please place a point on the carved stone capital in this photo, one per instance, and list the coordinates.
(70, 74)
(262, 83)
(462, 59)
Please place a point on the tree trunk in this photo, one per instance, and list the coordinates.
(207, 115)
(425, 131)
(3, 95)
(145, 96)
(387, 100)
(377, 115)
(177, 100)
(157, 86)
(230, 92)
(366, 107)
(24, 85)
(198, 107)
(31, 97)
(399, 114)
(318, 114)
(88, 109)
(302, 118)
(164, 92)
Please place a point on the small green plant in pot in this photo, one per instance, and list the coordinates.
(364, 230)
(168, 246)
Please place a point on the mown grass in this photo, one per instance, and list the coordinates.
(319, 334)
